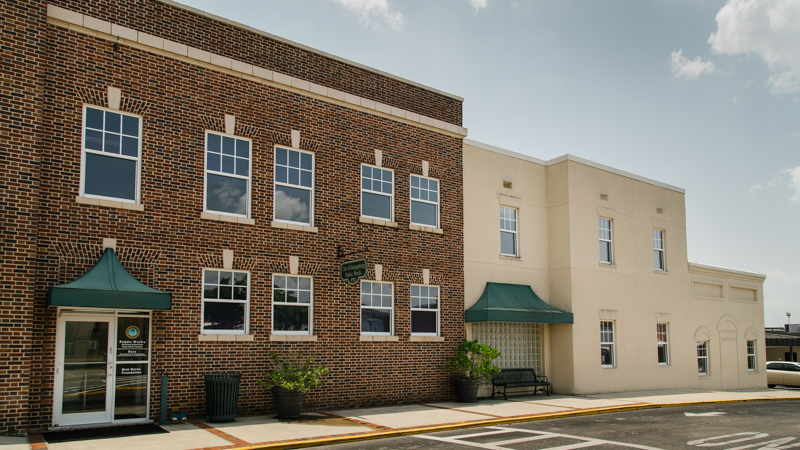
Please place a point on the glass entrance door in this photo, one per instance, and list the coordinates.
(84, 370)
(132, 357)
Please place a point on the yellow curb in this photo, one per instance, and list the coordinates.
(489, 422)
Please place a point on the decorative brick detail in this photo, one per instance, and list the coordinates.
(91, 96)
(278, 266)
(308, 269)
(134, 106)
(76, 258)
(213, 123)
(247, 131)
(387, 275)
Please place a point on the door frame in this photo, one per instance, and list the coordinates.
(88, 315)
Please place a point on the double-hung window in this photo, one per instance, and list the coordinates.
(226, 301)
(606, 256)
(606, 343)
(227, 175)
(751, 355)
(292, 304)
(658, 250)
(424, 310)
(294, 186)
(662, 343)
(424, 201)
(377, 305)
(702, 357)
(377, 192)
(508, 231)
(111, 157)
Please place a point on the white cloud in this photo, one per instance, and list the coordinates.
(755, 188)
(690, 69)
(373, 12)
(777, 275)
(478, 5)
(767, 28)
(735, 101)
(793, 183)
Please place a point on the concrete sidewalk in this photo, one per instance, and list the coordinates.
(328, 427)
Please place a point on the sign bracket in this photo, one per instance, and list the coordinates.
(340, 255)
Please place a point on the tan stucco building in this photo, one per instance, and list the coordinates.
(610, 248)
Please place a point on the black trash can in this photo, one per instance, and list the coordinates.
(222, 396)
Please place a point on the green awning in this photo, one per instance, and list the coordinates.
(514, 303)
(108, 285)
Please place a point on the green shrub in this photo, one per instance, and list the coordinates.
(473, 360)
(295, 373)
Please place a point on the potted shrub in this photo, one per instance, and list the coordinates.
(289, 380)
(471, 363)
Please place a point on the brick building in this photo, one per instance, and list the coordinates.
(223, 167)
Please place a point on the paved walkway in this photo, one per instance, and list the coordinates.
(327, 427)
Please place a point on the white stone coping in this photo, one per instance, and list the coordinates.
(293, 226)
(293, 337)
(378, 338)
(426, 338)
(425, 229)
(227, 218)
(708, 269)
(569, 157)
(226, 338)
(385, 223)
(109, 203)
(81, 23)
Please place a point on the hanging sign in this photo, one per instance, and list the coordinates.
(352, 271)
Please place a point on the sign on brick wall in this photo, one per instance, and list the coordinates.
(352, 271)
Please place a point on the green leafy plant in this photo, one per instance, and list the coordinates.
(295, 373)
(473, 360)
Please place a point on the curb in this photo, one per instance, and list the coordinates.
(489, 422)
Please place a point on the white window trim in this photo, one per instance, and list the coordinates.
(84, 150)
(705, 357)
(391, 196)
(664, 343)
(275, 183)
(755, 361)
(610, 240)
(249, 178)
(203, 303)
(391, 310)
(515, 232)
(613, 343)
(437, 203)
(310, 307)
(662, 251)
(438, 310)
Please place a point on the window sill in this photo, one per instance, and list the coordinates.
(294, 226)
(425, 229)
(512, 258)
(426, 339)
(378, 338)
(385, 223)
(226, 338)
(661, 272)
(612, 266)
(226, 218)
(293, 337)
(109, 203)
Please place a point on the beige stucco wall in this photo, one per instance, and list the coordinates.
(559, 205)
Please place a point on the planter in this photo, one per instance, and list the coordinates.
(288, 404)
(466, 389)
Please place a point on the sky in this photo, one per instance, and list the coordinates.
(699, 94)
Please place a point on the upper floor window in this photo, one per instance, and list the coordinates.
(377, 192)
(294, 186)
(424, 310)
(292, 304)
(226, 301)
(702, 357)
(662, 342)
(508, 231)
(658, 250)
(424, 201)
(751, 355)
(111, 156)
(377, 305)
(227, 175)
(606, 343)
(606, 256)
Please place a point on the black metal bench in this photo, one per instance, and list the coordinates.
(519, 378)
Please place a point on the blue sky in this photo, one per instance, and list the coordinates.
(701, 94)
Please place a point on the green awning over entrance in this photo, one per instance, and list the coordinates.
(108, 285)
(514, 303)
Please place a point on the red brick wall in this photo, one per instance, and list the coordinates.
(178, 99)
(20, 132)
(168, 22)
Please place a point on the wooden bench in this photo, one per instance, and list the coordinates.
(519, 378)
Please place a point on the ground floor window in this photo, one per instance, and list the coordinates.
(424, 310)
(751, 355)
(520, 343)
(662, 343)
(377, 300)
(226, 301)
(291, 304)
(606, 343)
(702, 357)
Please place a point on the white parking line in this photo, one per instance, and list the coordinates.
(534, 436)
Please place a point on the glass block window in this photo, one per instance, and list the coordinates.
(424, 201)
(377, 192)
(424, 310)
(226, 301)
(377, 301)
(111, 154)
(294, 181)
(520, 343)
(508, 231)
(702, 357)
(227, 174)
(291, 304)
